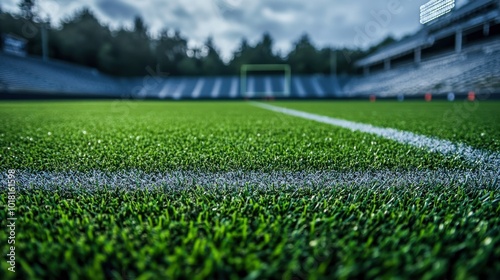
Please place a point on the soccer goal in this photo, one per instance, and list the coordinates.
(265, 80)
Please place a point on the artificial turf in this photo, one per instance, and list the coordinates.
(322, 232)
(149, 136)
(319, 231)
(474, 123)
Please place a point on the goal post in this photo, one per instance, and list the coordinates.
(248, 68)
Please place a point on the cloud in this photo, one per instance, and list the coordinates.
(116, 9)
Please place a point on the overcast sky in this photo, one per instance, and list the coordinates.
(328, 22)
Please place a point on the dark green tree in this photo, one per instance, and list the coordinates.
(212, 63)
(261, 53)
(140, 27)
(171, 49)
(264, 53)
(81, 38)
(240, 57)
(23, 25)
(304, 57)
(27, 8)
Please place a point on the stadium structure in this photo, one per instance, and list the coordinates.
(458, 52)
(300, 189)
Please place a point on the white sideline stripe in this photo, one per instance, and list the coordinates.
(136, 179)
(268, 86)
(216, 88)
(300, 87)
(198, 88)
(233, 92)
(180, 89)
(317, 87)
(490, 159)
(164, 91)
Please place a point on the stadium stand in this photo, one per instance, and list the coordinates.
(229, 87)
(459, 52)
(473, 69)
(29, 74)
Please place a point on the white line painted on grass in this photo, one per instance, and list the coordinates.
(136, 179)
(491, 160)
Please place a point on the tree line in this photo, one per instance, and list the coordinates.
(83, 39)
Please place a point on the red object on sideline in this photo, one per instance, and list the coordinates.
(471, 96)
(428, 97)
(373, 98)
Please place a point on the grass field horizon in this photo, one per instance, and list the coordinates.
(233, 190)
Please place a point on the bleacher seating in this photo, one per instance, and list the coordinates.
(35, 75)
(28, 74)
(475, 68)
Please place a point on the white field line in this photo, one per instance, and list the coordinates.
(490, 160)
(486, 175)
(137, 179)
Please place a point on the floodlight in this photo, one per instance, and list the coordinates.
(435, 9)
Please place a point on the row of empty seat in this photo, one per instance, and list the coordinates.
(34, 75)
(476, 69)
(231, 87)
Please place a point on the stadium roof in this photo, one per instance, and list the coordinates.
(439, 28)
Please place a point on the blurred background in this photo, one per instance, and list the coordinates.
(234, 49)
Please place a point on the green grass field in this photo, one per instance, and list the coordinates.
(438, 228)
(474, 123)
